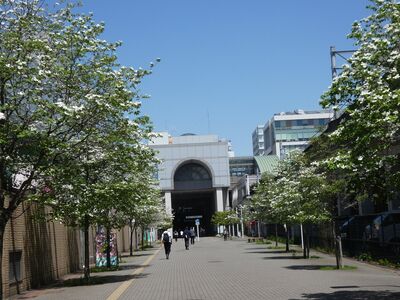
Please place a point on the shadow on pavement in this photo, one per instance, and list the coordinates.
(308, 267)
(344, 295)
(255, 248)
(120, 278)
(136, 255)
(98, 280)
(284, 257)
(129, 267)
(268, 252)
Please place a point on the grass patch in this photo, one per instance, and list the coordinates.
(264, 242)
(276, 247)
(330, 268)
(82, 281)
(104, 269)
(315, 256)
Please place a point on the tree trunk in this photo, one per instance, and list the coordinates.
(136, 240)
(305, 232)
(86, 268)
(2, 229)
(308, 240)
(142, 238)
(131, 241)
(287, 238)
(336, 246)
(108, 248)
(276, 235)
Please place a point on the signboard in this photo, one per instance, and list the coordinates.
(193, 217)
(197, 222)
(101, 249)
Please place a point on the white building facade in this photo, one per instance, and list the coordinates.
(193, 177)
(258, 141)
(287, 131)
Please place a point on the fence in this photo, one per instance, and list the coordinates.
(371, 236)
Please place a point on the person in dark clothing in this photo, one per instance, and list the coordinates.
(176, 235)
(192, 235)
(225, 234)
(166, 239)
(186, 236)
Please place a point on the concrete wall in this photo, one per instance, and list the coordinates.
(49, 250)
(204, 149)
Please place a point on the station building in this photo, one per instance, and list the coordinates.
(193, 177)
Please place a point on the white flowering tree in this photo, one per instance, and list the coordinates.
(224, 218)
(298, 194)
(148, 210)
(61, 92)
(368, 90)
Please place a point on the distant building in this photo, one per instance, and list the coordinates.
(242, 165)
(246, 171)
(193, 177)
(287, 131)
(258, 140)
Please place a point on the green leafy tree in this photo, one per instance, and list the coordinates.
(368, 90)
(61, 90)
(146, 211)
(224, 218)
(298, 194)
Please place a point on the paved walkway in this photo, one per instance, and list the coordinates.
(214, 269)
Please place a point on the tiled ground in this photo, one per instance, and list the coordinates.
(214, 269)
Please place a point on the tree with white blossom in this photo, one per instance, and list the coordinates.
(298, 194)
(367, 139)
(61, 91)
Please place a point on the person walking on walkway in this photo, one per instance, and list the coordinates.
(176, 235)
(225, 234)
(192, 235)
(186, 236)
(166, 239)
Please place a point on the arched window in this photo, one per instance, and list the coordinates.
(192, 176)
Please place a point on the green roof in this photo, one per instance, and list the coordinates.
(267, 163)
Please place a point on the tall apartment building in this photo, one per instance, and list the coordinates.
(287, 131)
(258, 140)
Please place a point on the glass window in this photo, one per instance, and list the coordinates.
(323, 121)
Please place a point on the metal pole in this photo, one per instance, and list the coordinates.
(333, 62)
(302, 237)
(198, 233)
(334, 74)
(237, 224)
(258, 228)
(241, 221)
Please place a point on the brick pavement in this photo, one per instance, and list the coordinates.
(214, 269)
(101, 291)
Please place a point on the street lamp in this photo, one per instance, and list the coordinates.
(241, 220)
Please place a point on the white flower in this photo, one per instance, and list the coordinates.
(2, 116)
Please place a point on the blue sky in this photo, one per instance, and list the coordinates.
(228, 65)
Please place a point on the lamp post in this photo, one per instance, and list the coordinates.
(237, 224)
(241, 220)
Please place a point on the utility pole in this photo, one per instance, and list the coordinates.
(344, 55)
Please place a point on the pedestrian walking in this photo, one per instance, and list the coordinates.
(181, 234)
(225, 234)
(186, 236)
(166, 239)
(192, 235)
(176, 235)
